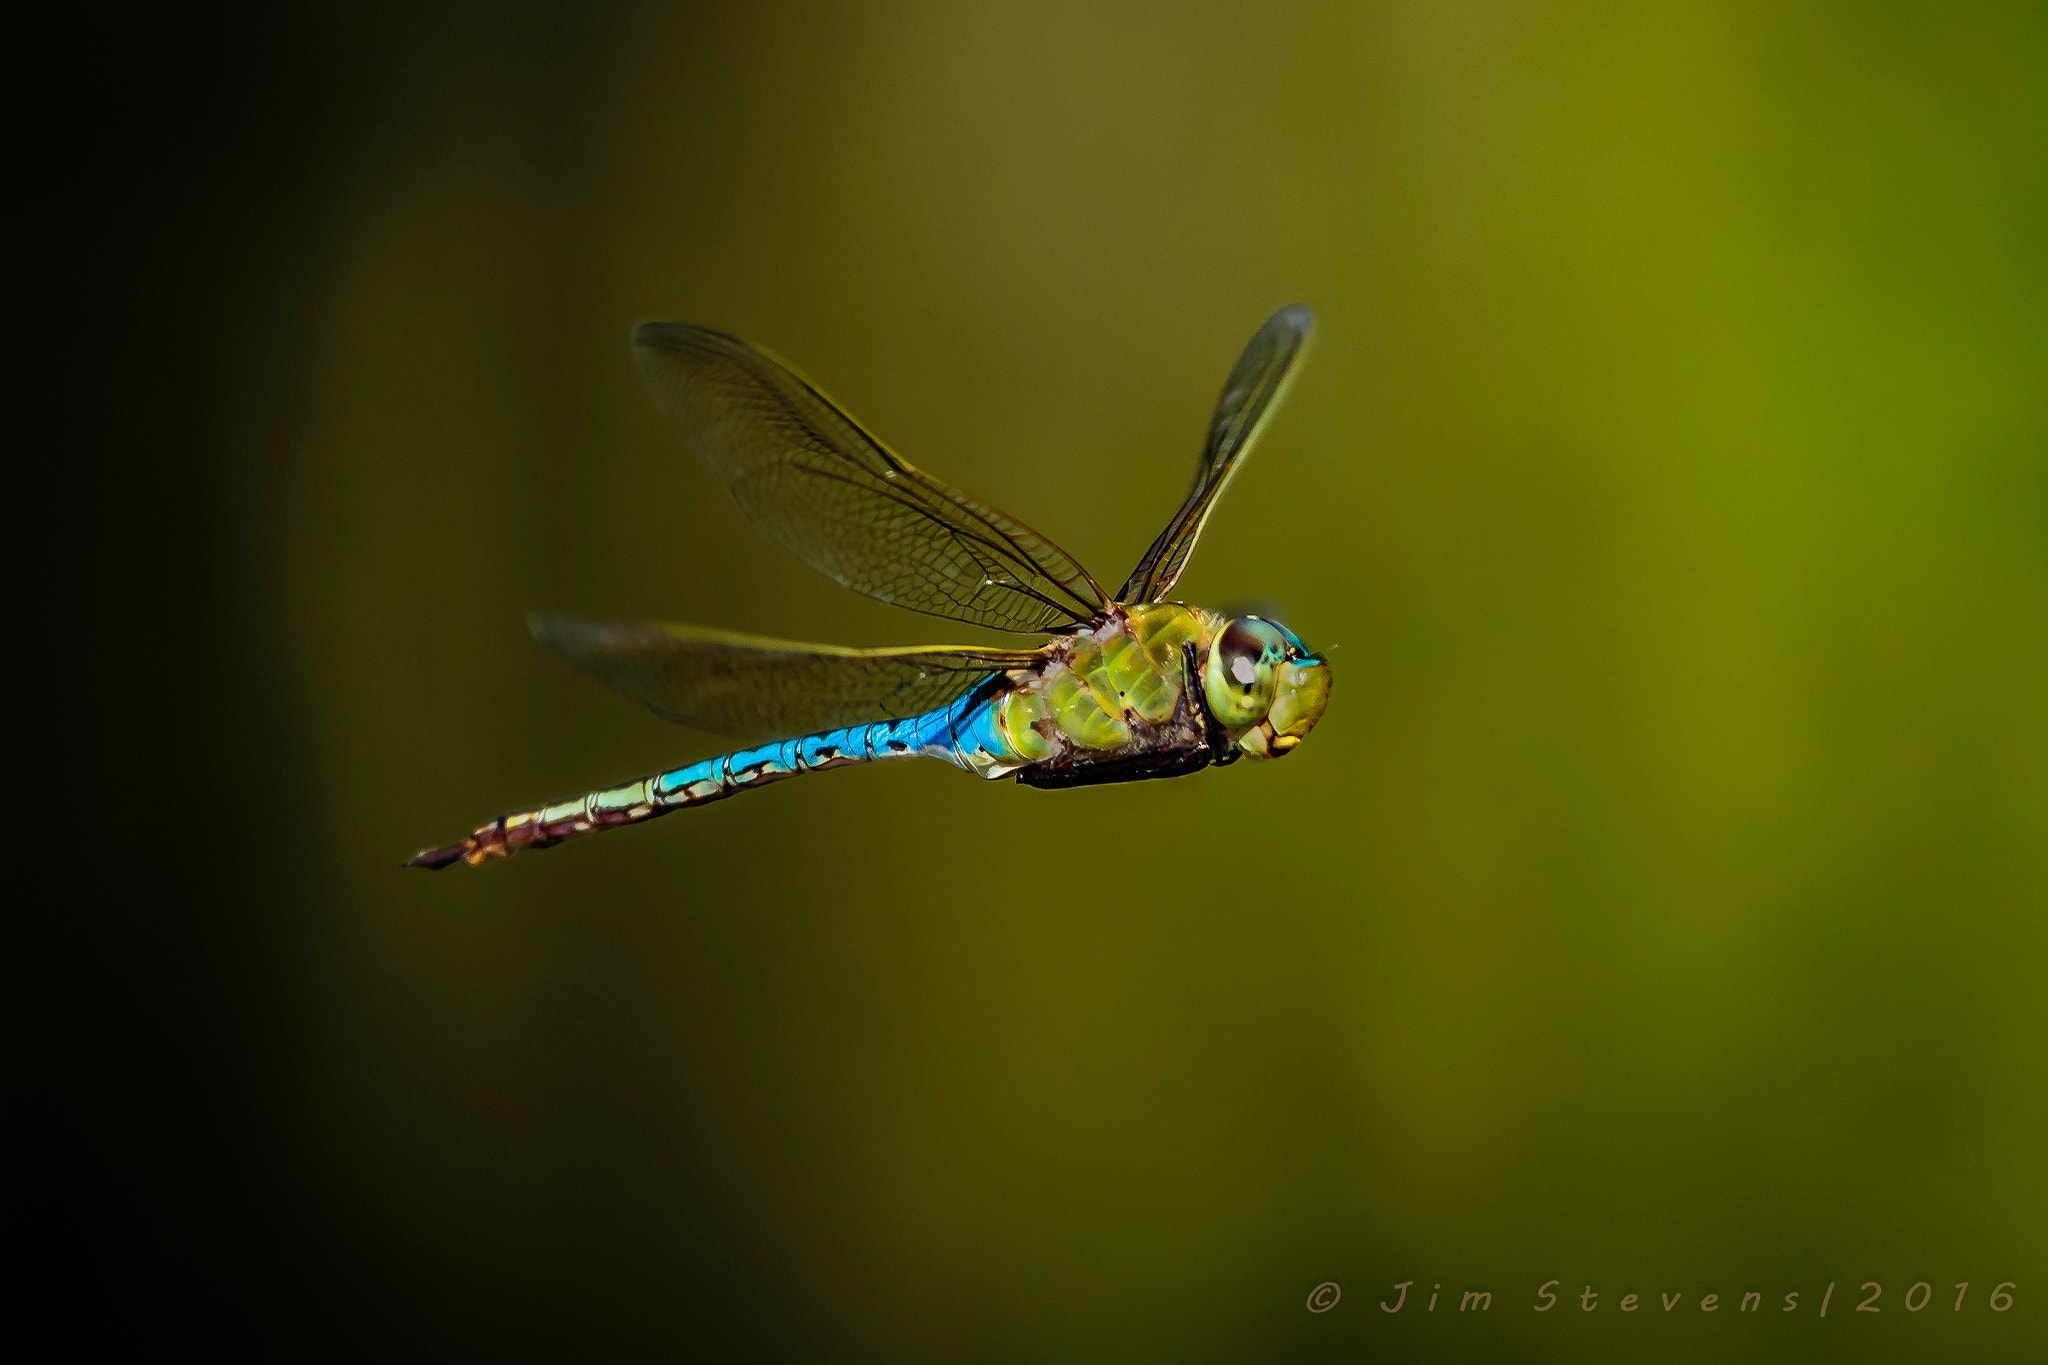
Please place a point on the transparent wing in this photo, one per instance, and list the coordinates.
(845, 504)
(1255, 386)
(758, 689)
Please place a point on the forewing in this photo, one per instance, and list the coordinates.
(1254, 388)
(755, 688)
(838, 499)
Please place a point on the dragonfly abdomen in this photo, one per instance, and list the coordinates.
(964, 733)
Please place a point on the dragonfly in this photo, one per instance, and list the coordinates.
(1119, 688)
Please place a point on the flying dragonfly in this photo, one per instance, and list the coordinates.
(1123, 687)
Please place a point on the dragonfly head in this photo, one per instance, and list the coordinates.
(1264, 686)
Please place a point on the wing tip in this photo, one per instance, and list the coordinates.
(683, 336)
(654, 341)
(556, 634)
(572, 639)
(653, 333)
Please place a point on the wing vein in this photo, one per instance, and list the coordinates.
(1256, 384)
(827, 490)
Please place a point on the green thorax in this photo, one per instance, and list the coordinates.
(1108, 687)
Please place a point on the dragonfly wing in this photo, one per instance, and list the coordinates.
(1255, 386)
(838, 499)
(757, 688)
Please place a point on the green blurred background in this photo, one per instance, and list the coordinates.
(1659, 907)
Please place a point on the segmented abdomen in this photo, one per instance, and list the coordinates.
(963, 733)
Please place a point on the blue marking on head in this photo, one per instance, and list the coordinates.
(1296, 650)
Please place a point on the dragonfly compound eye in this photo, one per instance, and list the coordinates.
(1239, 677)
